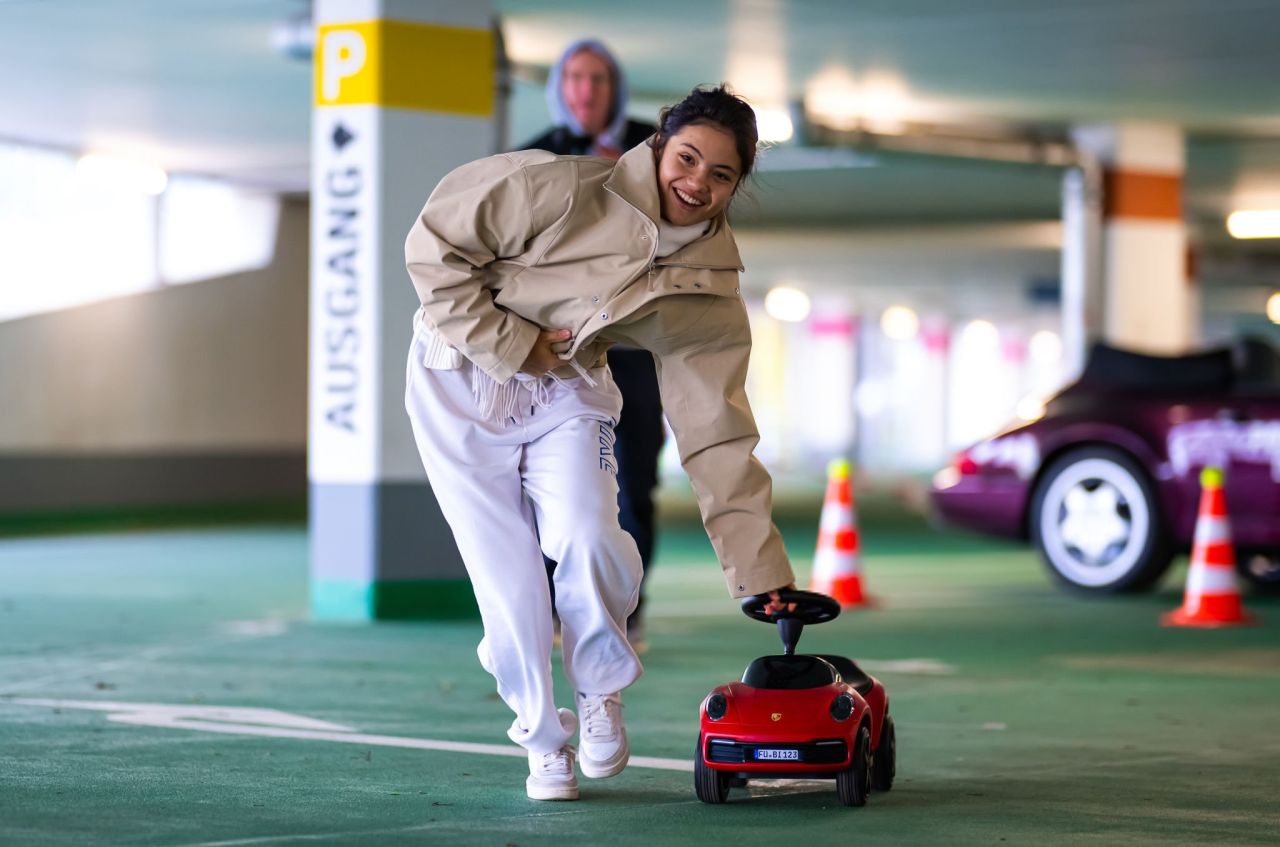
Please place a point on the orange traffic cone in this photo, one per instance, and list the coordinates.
(1212, 598)
(837, 563)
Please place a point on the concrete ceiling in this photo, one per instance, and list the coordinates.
(195, 85)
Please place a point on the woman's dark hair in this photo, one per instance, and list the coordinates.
(718, 107)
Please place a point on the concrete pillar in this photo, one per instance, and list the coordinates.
(1148, 303)
(404, 92)
(1082, 290)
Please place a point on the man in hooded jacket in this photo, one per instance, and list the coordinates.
(587, 98)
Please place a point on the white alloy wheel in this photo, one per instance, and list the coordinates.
(1095, 521)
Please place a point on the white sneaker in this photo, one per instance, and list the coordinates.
(603, 742)
(551, 775)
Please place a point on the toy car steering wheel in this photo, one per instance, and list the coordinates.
(811, 607)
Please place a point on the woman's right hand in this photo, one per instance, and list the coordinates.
(543, 358)
(775, 604)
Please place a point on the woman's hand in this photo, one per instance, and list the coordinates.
(542, 357)
(775, 603)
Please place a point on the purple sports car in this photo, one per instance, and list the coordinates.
(1106, 482)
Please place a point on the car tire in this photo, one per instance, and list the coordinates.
(853, 783)
(1260, 569)
(884, 762)
(711, 786)
(1097, 523)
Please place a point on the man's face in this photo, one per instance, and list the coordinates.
(586, 87)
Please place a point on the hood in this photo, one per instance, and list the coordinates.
(615, 133)
(797, 710)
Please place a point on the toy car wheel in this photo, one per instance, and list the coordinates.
(1097, 524)
(853, 784)
(884, 763)
(711, 786)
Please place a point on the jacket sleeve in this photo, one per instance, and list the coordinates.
(703, 382)
(478, 214)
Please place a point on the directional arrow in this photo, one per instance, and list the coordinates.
(233, 720)
(341, 137)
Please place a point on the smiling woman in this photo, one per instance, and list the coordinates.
(529, 267)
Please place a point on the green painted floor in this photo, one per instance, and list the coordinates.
(1038, 717)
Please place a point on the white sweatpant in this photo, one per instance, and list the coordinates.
(547, 473)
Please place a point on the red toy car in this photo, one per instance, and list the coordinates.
(796, 717)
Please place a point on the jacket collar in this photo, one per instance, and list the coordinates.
(635, 180)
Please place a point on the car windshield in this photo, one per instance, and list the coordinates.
(789, 672)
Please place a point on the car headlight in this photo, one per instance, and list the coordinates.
(716, 706)
(842, 707)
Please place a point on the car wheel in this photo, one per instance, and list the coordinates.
(1097, 523)
(852, 784)
(884, 762)
(711, 786)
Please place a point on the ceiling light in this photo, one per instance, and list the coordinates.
(878, 103)
(295, 36)
(1256, 223)
(95, 170)
(899, 323)
(831, 99)
(1273, 308)
(787, 304)
(980, 333)
(774, 125)
(884, 103)
(1030, 408)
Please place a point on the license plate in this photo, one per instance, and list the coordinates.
(778, 755)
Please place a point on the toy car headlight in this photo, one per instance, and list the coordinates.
(716, 706)
(842, 707)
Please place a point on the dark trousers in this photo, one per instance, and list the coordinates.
(639, 441)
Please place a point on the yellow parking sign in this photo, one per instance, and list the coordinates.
(403, 65)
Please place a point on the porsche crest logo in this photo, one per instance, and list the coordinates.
(777, 716)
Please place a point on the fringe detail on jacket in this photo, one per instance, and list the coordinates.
(496, 402)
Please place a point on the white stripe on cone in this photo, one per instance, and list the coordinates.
(1212, 529)
(1211, 579)
(835, 518)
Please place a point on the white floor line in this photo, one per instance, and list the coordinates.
(270, 723)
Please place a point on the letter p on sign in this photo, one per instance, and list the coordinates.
(346, 70)
(344, 55)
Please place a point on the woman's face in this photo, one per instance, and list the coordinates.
(697, 174)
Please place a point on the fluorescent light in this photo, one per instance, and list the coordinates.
(107, 172)
(787, 304)
(774, 125)
(899, 323)
(1030, 408)
(884, 103)
(831, 99)
(1255, 223)
(980, 333)
(879, 102)
(1273, 308)
(1045, 347)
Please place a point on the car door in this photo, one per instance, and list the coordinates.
(1253, 470)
